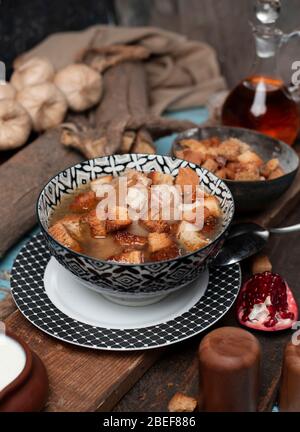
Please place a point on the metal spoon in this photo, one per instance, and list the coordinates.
(245, 240)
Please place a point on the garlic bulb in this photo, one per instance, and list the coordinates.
(34, 71)
(7, 91)
(15, 124)
(81, 85)
(45, 104)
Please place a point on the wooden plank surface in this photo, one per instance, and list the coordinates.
(21, 180)
(88, 380)
(82, 379)
(178, 369)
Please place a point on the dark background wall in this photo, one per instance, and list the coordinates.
(222, 23)
(24, 23)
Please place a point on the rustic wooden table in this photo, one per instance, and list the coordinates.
(87, 380)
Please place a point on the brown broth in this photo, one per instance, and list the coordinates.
(104, 248)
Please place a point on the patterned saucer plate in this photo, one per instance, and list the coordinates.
(30, 295)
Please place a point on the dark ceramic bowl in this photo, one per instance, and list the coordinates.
(252, 195)
(127, 280)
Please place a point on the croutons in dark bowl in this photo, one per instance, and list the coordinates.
(130, 279)
(255, 186)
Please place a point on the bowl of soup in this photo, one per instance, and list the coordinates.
(135, 225)
(257, 168)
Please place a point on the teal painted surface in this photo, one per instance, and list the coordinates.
(197, 115)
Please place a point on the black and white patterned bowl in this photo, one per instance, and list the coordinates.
(147, 280)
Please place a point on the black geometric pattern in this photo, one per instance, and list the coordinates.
(29, 294)
(125, 278)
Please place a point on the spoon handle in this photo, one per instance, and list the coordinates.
(285, 230)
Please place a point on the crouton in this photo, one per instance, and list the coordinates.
(166, 253)
(127, 239)
(118, 219)
(249, 157)
(95, 184)
(213, 153)
(97, 226)
(158, 241)
(182, 403)
(278, 172)
(83, 202)
(72, 223)
(221, 161)
(221, 173)
(60, 234)
(187, 177)
(130, 257)
(189, 238)
(244, 146)
(209, 224)
(230, 149)
(137, 198)
(179, 154)
(211, 203)
(161, 178)
(260, 264)
(194, 213)
(193, 144)
(134, 177)
(268, 167)
(247, 172)
(210, 165)
(231, 169)
(193, 156)
(159, 226)
(273, 164)
(212, 141)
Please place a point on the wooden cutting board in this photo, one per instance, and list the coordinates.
(90, 380)
(82, 379)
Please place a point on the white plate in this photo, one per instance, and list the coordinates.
(76, 301)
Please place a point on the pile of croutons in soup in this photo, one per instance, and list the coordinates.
(130, 231)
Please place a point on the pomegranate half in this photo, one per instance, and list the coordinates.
(267, 303)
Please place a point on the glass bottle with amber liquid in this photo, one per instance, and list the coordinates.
(262, 101)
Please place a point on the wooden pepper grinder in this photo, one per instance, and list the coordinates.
(290, 381)
(229, 360)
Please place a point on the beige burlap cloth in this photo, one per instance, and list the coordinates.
(181, 73)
